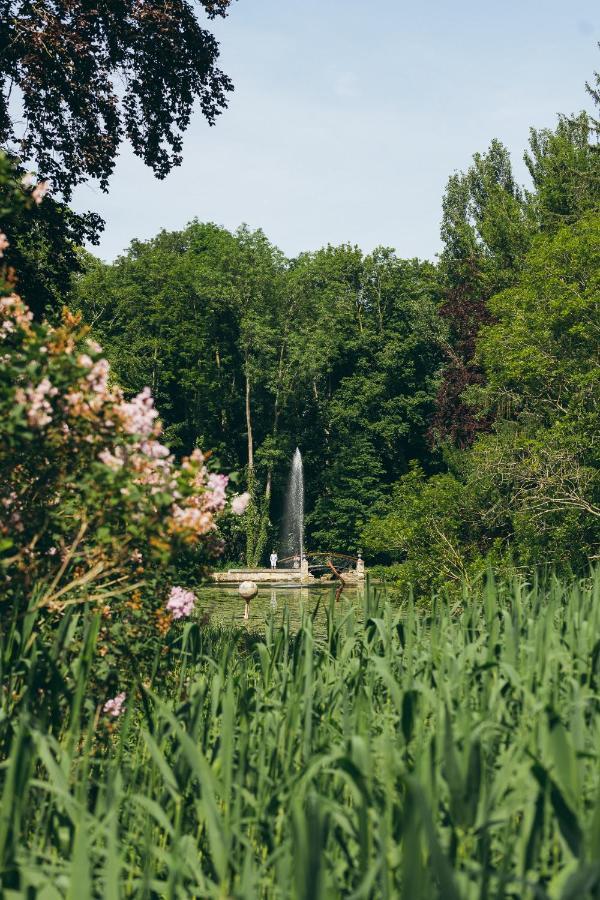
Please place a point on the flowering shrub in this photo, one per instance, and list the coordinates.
(98, 520)
(181, 603)
(93, 507)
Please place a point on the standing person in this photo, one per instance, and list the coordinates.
(273, 558)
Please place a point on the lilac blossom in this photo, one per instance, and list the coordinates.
(139, 415)
(239, 504)
(114, 706)
(181, 602)
(217, 486)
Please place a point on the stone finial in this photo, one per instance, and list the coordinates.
(248, 590)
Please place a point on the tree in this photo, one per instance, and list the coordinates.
(487, 227)
(564, 165)
(371, 337)
(251, 355)
(91, 75)
(43, 242)
(542, 382)
(200, 316)
(166, 313)
(423, 528)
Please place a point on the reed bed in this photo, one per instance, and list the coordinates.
(396, 752)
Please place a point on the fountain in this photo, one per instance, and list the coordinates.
(293, 566)
(293, 516)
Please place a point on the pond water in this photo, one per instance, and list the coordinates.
(222, 604)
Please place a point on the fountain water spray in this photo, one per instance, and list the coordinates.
(293, 517)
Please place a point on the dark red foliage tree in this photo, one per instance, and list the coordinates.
(465, 311)
(486, 232)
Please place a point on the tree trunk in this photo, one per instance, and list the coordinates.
(249, 427)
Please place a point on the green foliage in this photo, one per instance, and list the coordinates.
(529, 490)
(539, 355)
(486, 221)
(424, 528)
(543, 382)
(88, 78)
(384, 753)
(252, 355)
(94, 509)
(42, 240)
(565, 168)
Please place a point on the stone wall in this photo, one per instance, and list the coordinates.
(271, 576)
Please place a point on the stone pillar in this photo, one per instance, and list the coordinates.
(304, 573)
(360, 567)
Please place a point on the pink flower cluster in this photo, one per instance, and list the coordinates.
(139, 416)
(239, 504)
(123, 433)
(114, 460)
(4, 244)
(216, 491)
(39, 408)
(13, 314)
(114, 706)
(192, 518)
(181, 603)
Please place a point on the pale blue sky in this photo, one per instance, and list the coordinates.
(348, 117)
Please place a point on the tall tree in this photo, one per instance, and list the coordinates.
(371, 337)
(564, 165)
(542, 362)
(487, 226)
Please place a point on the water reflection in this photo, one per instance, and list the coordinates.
(222, 604)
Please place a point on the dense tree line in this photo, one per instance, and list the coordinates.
(448, 413)
(253, 354)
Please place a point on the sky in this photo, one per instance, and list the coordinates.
(348, 118)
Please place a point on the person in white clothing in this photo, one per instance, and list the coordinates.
(273, 558)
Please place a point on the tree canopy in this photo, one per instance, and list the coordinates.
(85, 76)
(334, 351)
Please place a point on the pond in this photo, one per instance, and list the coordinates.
(223, 605)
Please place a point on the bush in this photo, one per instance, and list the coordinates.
(94, 509)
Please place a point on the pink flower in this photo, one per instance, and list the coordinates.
(39, 409)
(28, 180)
(3, 243)
(94, 346)
(14, 312)
(181, 603)
(154, 449)
(114, 460)
(98, 376)
(114, 706)
(239, 504)
(139, 415)
(190, 518)
(217, 485)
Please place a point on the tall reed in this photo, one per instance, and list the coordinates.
(389, 753)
